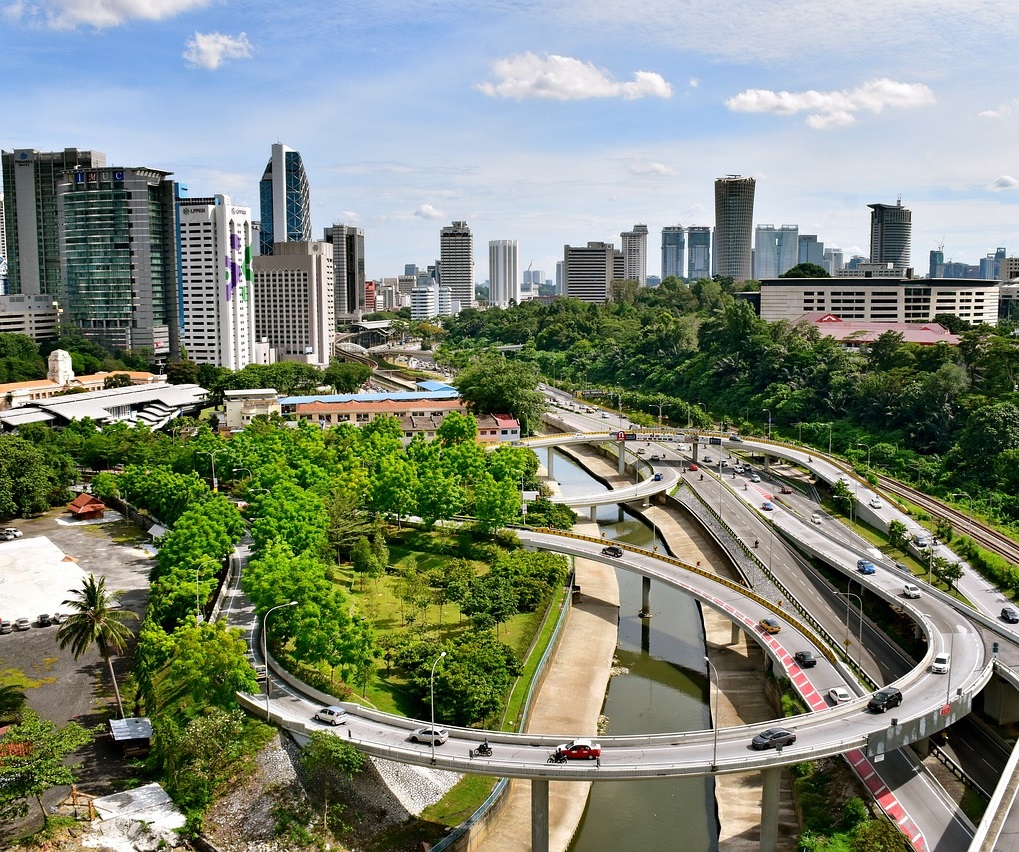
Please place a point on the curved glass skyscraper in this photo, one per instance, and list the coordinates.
(285, 200)
(734, 226)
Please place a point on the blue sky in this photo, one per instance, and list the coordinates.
(549, 122)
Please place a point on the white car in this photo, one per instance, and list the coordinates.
(432, 736)
(754, 477)
(332, 715)
(737, 468)
(839, 695)
(911, 591)
(875, 503)
(816, 518)
(11, 533)
(942, 663)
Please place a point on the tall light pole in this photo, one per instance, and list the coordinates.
(239, 469)
(211, 454)
(769, 421)
(862, 444)
(714, 721)
(432, 687)
(847, 595)
(265, 655)
(829, 435)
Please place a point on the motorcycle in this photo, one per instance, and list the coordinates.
(557, 756)
(483, 750)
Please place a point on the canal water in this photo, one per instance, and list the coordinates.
(662, 687)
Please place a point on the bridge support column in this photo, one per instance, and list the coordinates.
(539, 815)
(645, 597)
(767, 463)
(550, 467)
(734, 636)
(621, 516)
(769, 808)
(621, 463)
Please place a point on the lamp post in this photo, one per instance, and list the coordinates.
(432, 688)
(265, 654)
(847, 595)
(661, 400)
(714, 721)
(769, 421)
(862, 444)
(239, 469)
(829, 435)
(211, 454)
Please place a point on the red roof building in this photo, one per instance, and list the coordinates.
(856, 333)
(86, 507)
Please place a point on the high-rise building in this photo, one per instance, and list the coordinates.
(673, 251)
(215, 239)
(734, 226)
(350, 301)
(937, 264)
(833, 261)
(3, 250)
(294, 293)
(699, 248)
(588, 271)
(30, 180)
(503, 272)
(811, 251)
(891, 233)
(456, 264)
(990, 265)
(635, 254)
(775, 250)
(118, 257)
(285, 200)
(560, 278)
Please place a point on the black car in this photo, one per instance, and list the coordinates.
(885, 699)
(805, 659)
(44, 620)
(1010, 614)
(612, 550)
(773, 738)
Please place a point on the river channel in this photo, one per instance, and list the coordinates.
(662, 687)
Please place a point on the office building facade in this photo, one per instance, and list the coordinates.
(294, 292)
(215, 239)
(118, 257)
(734, 224)
(350, 299)
(588, 271)
(673, 251)
(634, 245)
(698, 244)
(30, 180)
(891, 234)
(284, 200)
(456, 264)
(810, 250)
(504, 272)
(834, 261)
(775, 250)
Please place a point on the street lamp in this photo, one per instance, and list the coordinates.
(718, 686)
(862, 444)
(432, 682)
(769, 421)
(211, 454)
(847, 595)
(265, 655)
(239, 469)
(829, 435)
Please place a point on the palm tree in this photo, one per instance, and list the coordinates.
(96, 620)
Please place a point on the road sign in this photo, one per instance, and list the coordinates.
(715, 441)
(620, 436)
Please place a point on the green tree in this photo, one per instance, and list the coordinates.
(495, 385)
(32, 759)
(195, 756)
(897, 534)
(346, 376)
(12, 700)
(96, 619)
(806, 270)
(327, 762)
(363, 558)
(879, 835)
(117, 380)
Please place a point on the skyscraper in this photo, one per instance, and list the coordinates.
(891, 233)
(504, 272)
(118, 257)
(456, 264)
(673, 251)
(699, 239)
(811, 251)
(348, 271)
(216, 288)
(588, 271)
(775, 250)
(833, 260)
(285, 200)
(33, 233)
(635, 254)
(734, 225)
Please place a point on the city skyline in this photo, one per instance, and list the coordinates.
(628, 118)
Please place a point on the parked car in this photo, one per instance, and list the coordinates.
(875, 503)
(805, 659)
(865, 567)
(1010, 614)
(332, 715)
(773, 738)
(612, 550)
(885, 699)
(22, 623)
(767, 506)
(12, 533)
(942, 663)
(770, 625)
(431, 736)
(60, 617)
(44, 620)
(6, 626)
(839, 695)
(581, 749)
(912, 591)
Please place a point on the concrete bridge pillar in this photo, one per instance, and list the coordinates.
(621, 463)
(539, 815)
(550, 467)
(621, 515)
(769, 808)
(645, 597)
(734, 636)
(767, 463)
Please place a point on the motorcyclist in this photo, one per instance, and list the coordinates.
(756, 542)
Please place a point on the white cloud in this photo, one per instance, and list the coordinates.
(694, 83)
(833, 109)
(210, 50)
(1000, 112)
(645, 167)
(427, 211)
(564, 78)
(1003, 182)
(68, 14)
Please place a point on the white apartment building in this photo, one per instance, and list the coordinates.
(634, 245)
(503, 272)
(456, 264)
(294, 307)
(215, 264)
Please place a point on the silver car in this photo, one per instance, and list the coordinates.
(331, 715)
